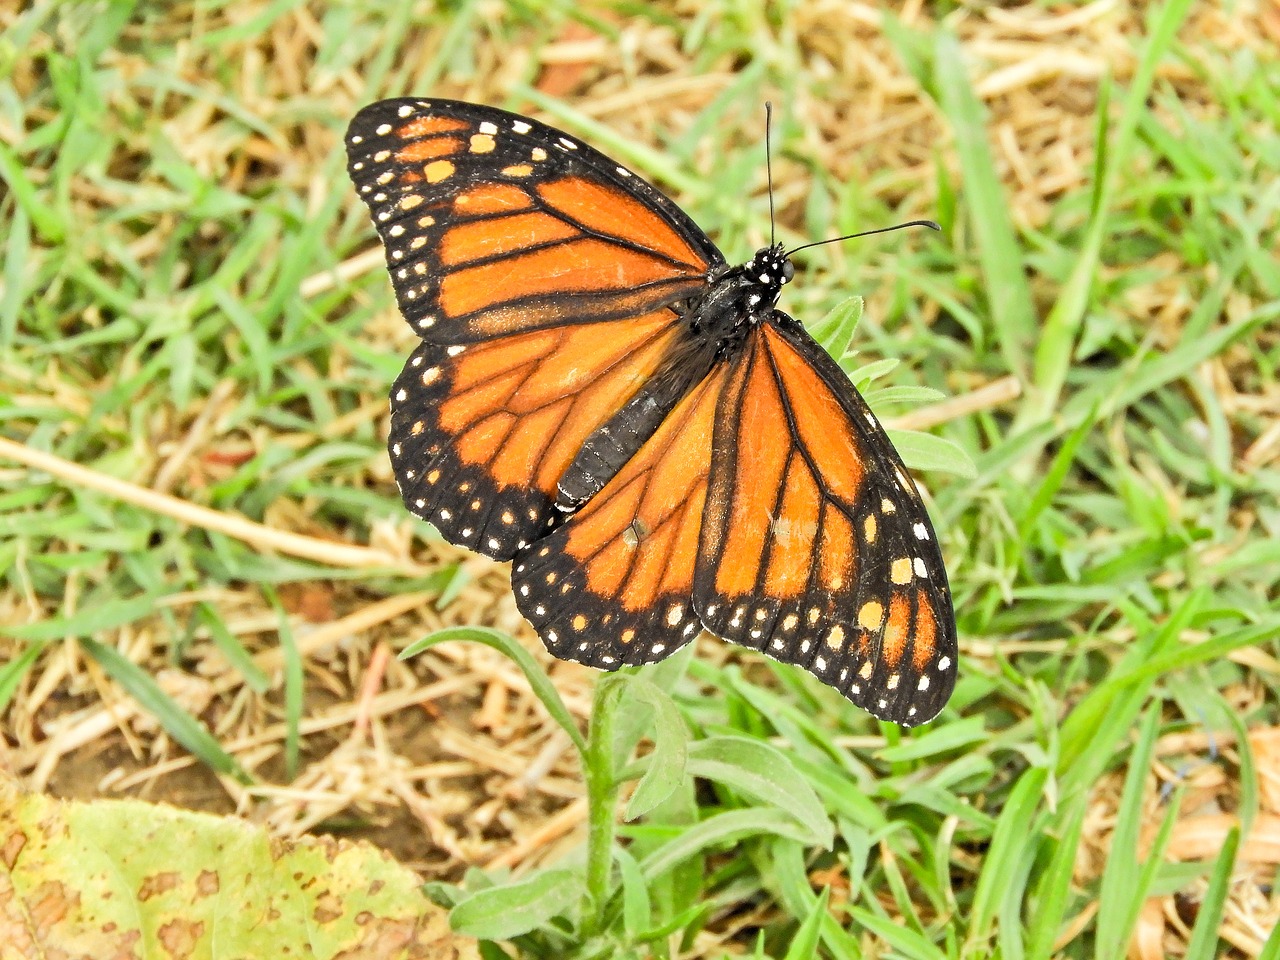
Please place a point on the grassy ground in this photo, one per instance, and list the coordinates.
(193, 311)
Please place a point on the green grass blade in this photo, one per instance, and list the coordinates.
(805, 944)
(1007, 844)
(1056, 350)
(507, 645)
(177, 722)
(293, 685)
(1203, 944)
(1121, 893)
(1008, 296)
(1054, 889)
(11, 673)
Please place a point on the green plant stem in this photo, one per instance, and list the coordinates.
(602, 804)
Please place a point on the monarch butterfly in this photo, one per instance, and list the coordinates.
(601, 398)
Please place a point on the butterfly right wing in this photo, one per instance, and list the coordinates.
(816, 547)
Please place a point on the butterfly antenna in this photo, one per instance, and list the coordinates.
(768, 163)
(866, 233)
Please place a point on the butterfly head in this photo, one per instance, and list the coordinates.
(770, 267)
(766, 272)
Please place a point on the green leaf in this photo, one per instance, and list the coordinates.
(805, 944)
(719, 829)
(763, 772)
(636, 910)
(870, 372)
(509, 647)
(834, 332)
(503, 912)
(133, 879)
(924, 451)
(666, 764)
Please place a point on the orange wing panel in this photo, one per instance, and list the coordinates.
(814, 548)
(574, 266)
(608, 210)
(498, 423)
(613, 585)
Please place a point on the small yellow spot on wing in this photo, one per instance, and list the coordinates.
(900, 572)
(437, 170)
(871, 614)
(481, 143)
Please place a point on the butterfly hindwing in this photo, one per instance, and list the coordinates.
(816, 547)
(613, 585)
(482, 432)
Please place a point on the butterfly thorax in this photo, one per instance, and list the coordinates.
(740, 297)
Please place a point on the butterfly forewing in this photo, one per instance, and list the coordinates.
(495, 224)
(816, 547)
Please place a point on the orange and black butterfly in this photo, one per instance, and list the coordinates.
(601, 398)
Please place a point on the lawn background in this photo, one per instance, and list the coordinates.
(193, 303)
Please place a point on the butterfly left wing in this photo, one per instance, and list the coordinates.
(613, 585)
(495, 224)
(815, 547)
(541, 277)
